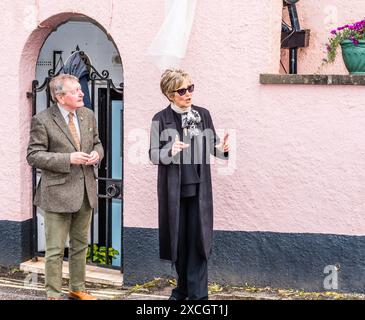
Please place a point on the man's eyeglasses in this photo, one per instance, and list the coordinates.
(182, 91)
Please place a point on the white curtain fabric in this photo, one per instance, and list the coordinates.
(169, 46)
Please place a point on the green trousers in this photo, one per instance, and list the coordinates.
(57, 227)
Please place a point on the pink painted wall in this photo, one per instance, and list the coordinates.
(297, 151)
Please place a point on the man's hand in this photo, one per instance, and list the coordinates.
(224, 146)
(93, 159)
(178, 146)
(79, 158)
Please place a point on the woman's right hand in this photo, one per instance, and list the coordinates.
(178, 146)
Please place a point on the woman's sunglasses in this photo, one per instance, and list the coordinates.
(182, 91)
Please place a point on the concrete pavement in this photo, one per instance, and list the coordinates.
(18, 285)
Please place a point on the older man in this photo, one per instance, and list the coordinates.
(64, 143)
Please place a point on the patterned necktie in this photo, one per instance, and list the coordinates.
(72, 127)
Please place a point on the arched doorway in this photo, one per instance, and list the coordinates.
(81, 35)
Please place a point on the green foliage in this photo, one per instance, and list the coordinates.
(147, 286)
(14, 270)
(99, 254)
(214, 288)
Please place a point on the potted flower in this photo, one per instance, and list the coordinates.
(351, 38)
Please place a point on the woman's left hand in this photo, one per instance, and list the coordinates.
(224, 146)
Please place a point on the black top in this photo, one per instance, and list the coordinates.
(190, 176)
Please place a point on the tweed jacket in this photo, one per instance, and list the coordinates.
(62, 184)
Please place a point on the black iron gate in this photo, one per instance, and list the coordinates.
(108, 226)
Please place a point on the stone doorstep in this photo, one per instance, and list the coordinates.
(94, 274)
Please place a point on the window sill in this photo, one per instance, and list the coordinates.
(313, 79)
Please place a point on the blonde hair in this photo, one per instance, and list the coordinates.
(56, 84)
(171, 80)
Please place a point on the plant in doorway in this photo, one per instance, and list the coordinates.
(99, 254)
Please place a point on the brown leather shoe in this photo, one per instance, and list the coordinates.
(81, 295)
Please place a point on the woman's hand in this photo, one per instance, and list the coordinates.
(178, 146)
(224, 146)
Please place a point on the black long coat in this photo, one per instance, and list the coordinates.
(163, 132)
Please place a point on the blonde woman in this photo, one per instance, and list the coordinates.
(182, 139)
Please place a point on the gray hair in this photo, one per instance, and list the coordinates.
(56, 84)
(171, 80)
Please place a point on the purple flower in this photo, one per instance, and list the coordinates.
(354, 32)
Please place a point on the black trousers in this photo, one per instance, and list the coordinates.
(191, 266)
